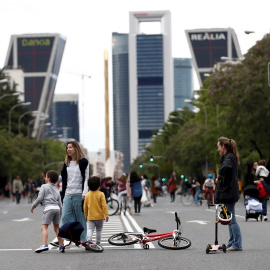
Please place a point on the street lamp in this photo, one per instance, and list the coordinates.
(178, 116)
(228, 59)
(57, 136)
(173, 123)
(190, 101)
(31, 122)
(4, 81)
(54, 131)
(162, 130)
(20, 119)
(249, 32)
(12, 108)
(196, 101)
(9, 95)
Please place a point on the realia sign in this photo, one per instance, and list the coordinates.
(208, 36)
(207, 46)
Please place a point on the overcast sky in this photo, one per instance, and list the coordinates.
(88, 27)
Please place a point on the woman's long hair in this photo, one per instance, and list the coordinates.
(134, 177)
(79, 153)
(122, 178)
(230, 146)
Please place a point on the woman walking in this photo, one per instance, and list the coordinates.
(75, 174)
(154, 189)
(172, 186)
(136, 191)
(227, 177)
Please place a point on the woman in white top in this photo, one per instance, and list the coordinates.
(75, 174)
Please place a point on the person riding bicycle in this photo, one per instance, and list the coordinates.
(209, 187)
(106, 186)
(122, 189)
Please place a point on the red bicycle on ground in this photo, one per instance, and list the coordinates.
(169, 240)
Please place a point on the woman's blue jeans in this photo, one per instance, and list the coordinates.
(72, 211)
(196, 197)
(235, 240)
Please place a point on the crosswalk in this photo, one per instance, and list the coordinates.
(116, 224)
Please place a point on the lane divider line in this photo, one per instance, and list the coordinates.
(138, 228)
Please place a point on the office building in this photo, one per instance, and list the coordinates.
(150, 78)
(207, 46)
(142, 83)
(64, 117)
(183, 81)
(121, 96)
(39, 56)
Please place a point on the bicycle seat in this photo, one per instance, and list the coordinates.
(146, 230)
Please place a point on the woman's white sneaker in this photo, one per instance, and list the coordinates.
(42, 248)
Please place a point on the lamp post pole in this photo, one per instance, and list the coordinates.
(28, 127)
(12, 108)
(20, 119)
(9, 95)
(196, 101)
(205, 110)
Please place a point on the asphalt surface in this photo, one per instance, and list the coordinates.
(20, 235)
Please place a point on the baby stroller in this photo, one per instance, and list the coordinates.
(72, 231)
(252, 204)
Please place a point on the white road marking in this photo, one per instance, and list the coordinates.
(15, 249)
(23, 219)
(211, 210)
(138, 228)
(202, 222)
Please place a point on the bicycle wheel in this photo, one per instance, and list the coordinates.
(94, 247)
(112, 206)
(123, 239)
(187, 198)
(171, 243)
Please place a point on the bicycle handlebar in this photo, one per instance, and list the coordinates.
(177, 218)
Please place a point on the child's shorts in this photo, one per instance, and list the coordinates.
(51, 215)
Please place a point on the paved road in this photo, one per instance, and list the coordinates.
(20, 235)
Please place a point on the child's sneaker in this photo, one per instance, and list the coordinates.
(62, 249)
(55, 244)
(42, 248)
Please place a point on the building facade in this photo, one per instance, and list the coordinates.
(207, 46)
(64, 116)
(142, 83)
(121, 96)
(39, 56)
(183, 81)
(151, 78)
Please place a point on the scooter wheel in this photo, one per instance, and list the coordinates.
(224, 248)
(207, 250)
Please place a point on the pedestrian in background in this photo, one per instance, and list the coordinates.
(75, 174)
(95, 209)
(51, 200)
(7, 190)
(106, 186)
(172, 186)
(30, 190)
(146, 184)
(154, 190)
(262, 174)
(17, 188)
(136, 191)
(122, 189)
(197, 189)
(228, 177)
(129, 197)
